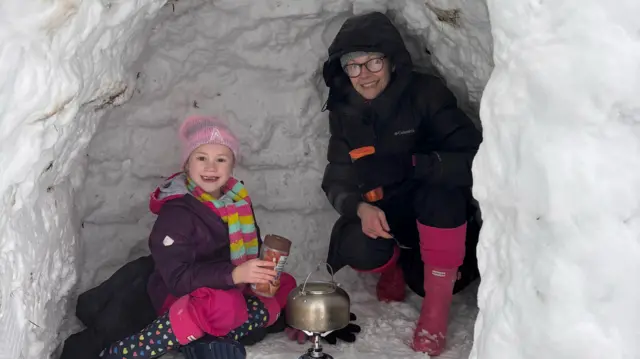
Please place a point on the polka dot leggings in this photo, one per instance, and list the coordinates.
(158, 338)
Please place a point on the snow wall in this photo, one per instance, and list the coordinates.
(91, 94)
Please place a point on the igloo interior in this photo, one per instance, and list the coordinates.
(92, 94)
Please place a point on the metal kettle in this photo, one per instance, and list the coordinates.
(318, 306)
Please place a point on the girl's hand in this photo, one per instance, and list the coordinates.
(254, 271)
(374, 222)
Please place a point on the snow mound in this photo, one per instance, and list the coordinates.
(61, 64)
(558, 180)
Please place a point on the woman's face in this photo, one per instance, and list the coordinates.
(369, 75)
(210, 167)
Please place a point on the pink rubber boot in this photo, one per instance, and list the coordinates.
(184, 321)
(391, 285)
(442, 250)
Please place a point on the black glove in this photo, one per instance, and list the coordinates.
(346, 334)
(379, 170)
(253, 337)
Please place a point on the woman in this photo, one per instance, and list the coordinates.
(399, 171)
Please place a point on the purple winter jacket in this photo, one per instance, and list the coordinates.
(189, 244)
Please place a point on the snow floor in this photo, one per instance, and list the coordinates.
(386, 328)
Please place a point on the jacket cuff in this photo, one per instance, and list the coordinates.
(427, 166)
(350, 205)
(227, 278)
(216, 276)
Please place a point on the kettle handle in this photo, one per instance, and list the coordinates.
(317, 269)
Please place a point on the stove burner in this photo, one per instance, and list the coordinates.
(315, 352)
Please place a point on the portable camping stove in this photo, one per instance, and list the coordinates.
(315, 352)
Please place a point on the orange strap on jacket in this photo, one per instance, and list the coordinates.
(362, 152)
(374, 195)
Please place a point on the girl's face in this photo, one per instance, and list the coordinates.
(210, 167)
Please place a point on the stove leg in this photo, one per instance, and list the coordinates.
(315, 352)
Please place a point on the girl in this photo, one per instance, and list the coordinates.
(205, 244)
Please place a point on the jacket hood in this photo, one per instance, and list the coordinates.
(174, 187)
(371, 32)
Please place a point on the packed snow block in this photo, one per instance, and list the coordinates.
(558, 182)
(114, 309)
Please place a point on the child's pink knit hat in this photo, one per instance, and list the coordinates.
(199, 130)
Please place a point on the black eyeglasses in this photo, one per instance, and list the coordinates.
(373, 65)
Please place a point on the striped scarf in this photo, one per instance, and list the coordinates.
(234, 207)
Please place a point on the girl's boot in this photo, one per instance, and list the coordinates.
(391, 285)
